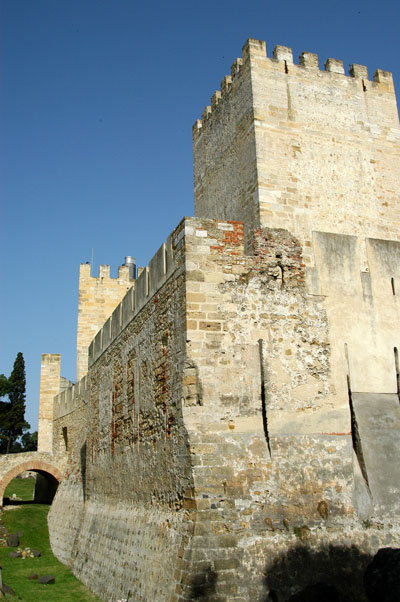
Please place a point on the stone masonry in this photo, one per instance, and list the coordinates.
(236, 436)
(98, 297)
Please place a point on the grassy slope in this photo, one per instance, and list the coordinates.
(32, 521)
(23, 488)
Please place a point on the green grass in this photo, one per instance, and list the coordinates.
(23, 488)
(31, 519)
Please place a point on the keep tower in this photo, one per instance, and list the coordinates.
(287, 145)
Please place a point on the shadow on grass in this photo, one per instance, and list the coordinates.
(11, 502)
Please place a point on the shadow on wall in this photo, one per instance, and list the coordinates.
(204, 585)
(83, 469)
(334, 574)
(45, 488)
(329, 574)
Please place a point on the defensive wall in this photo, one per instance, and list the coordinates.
(236, 435)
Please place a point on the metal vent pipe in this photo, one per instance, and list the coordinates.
(130, 262)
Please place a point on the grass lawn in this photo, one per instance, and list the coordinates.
(31, 519)
(23, 488)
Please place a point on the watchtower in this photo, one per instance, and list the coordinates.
(295, 147)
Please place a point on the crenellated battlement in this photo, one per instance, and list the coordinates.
(85, 271)
(98, 297)
(69, 399)
(149, 281)
(293, 146)
(308, 64)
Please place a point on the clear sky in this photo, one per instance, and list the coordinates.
(97, 102)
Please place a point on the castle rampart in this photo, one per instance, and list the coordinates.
(230, 440)
(150, 279)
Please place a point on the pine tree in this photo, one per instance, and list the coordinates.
(12, 410)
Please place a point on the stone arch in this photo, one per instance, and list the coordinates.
(49, 477)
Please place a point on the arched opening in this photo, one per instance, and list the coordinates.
(46, 483)
(45, 487)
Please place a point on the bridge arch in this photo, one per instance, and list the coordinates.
(48, 478)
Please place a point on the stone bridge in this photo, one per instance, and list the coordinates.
(49, 469)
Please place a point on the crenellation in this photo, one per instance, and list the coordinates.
(309, 60)
(283, 53)
(196, 128)
(98, 296)
(115, 324)
(254, 48)
(358, 71)
(128, 307)
(123, 273)
(385, 80)
(150, 279)
(206, 113)
(226, 84)
(320, 111)
(104, 271)
(236, 67)
(308, 67)
(334, 66)
(106, 331)
(216, 97)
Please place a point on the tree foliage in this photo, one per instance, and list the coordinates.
(12, 406)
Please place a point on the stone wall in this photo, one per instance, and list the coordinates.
(292, 146)
(121, 507)
(277, 466)
(219, 437)
(98, 297)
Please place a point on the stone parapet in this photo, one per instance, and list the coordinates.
(150, 279)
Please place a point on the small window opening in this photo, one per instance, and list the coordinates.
(65, 437)
(396, 362)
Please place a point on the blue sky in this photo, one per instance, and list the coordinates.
(97, 102)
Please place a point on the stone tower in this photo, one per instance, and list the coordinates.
(98, 297)
(286, 145)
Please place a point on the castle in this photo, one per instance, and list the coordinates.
(234, 431)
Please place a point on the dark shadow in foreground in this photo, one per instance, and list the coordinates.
(330, 574)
